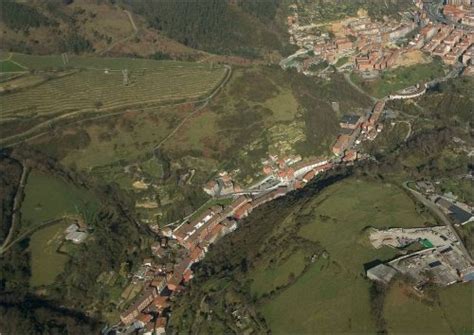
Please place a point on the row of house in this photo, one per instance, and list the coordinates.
(445, 41)
(356, 125)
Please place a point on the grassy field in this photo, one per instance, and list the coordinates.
(122, 138)
(451, 313)
(46, 262)
(48, 62)
(392, 81)
(8, 66)
(48, 197)
(267, 280)
(334, 293)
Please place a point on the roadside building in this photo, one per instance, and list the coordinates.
(341, 144)
(159, 283)
(308, 176)
(140, 304)
(350, 121)
(243, 211)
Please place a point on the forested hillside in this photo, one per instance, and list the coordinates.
(245, 28)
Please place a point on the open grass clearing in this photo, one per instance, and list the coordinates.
(451, 313)
(394, 80)
(46, 262)
(326, 299)
(274, 276)
(120, 138)
(284, 106)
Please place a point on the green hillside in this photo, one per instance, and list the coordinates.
(309, 261)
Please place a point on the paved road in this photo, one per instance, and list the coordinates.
(439, 213)
(347, 76)
(16, 208)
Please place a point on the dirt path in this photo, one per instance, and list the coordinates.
(126, 39)
(132, 22)
(197, 110)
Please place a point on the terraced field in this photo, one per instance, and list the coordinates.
(36, 62)
(96, 89)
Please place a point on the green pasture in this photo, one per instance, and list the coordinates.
(46, 262)
(125, 137)
(48, 197)
(450, 313)
(333, 296)
(9, 66)
(265, 280)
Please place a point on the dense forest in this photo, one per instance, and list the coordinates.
(19, 16)
(245, 28)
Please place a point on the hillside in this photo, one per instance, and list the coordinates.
(153, 29)
(305, 255)
(217, 26)
(82, 26)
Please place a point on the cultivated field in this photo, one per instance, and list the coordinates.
(54, 94)
(104, 89)
(333, 291)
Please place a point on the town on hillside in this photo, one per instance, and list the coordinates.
(368, 47)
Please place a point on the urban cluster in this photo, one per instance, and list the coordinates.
(357, 129)
(194, 236)
(370, 46)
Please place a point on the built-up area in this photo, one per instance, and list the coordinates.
(370, 46)
(190, 240)
(442, 258)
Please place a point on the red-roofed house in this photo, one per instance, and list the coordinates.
(243, 211)
(187, 275)
(161, 302)
(267, 169)
(308, 176)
